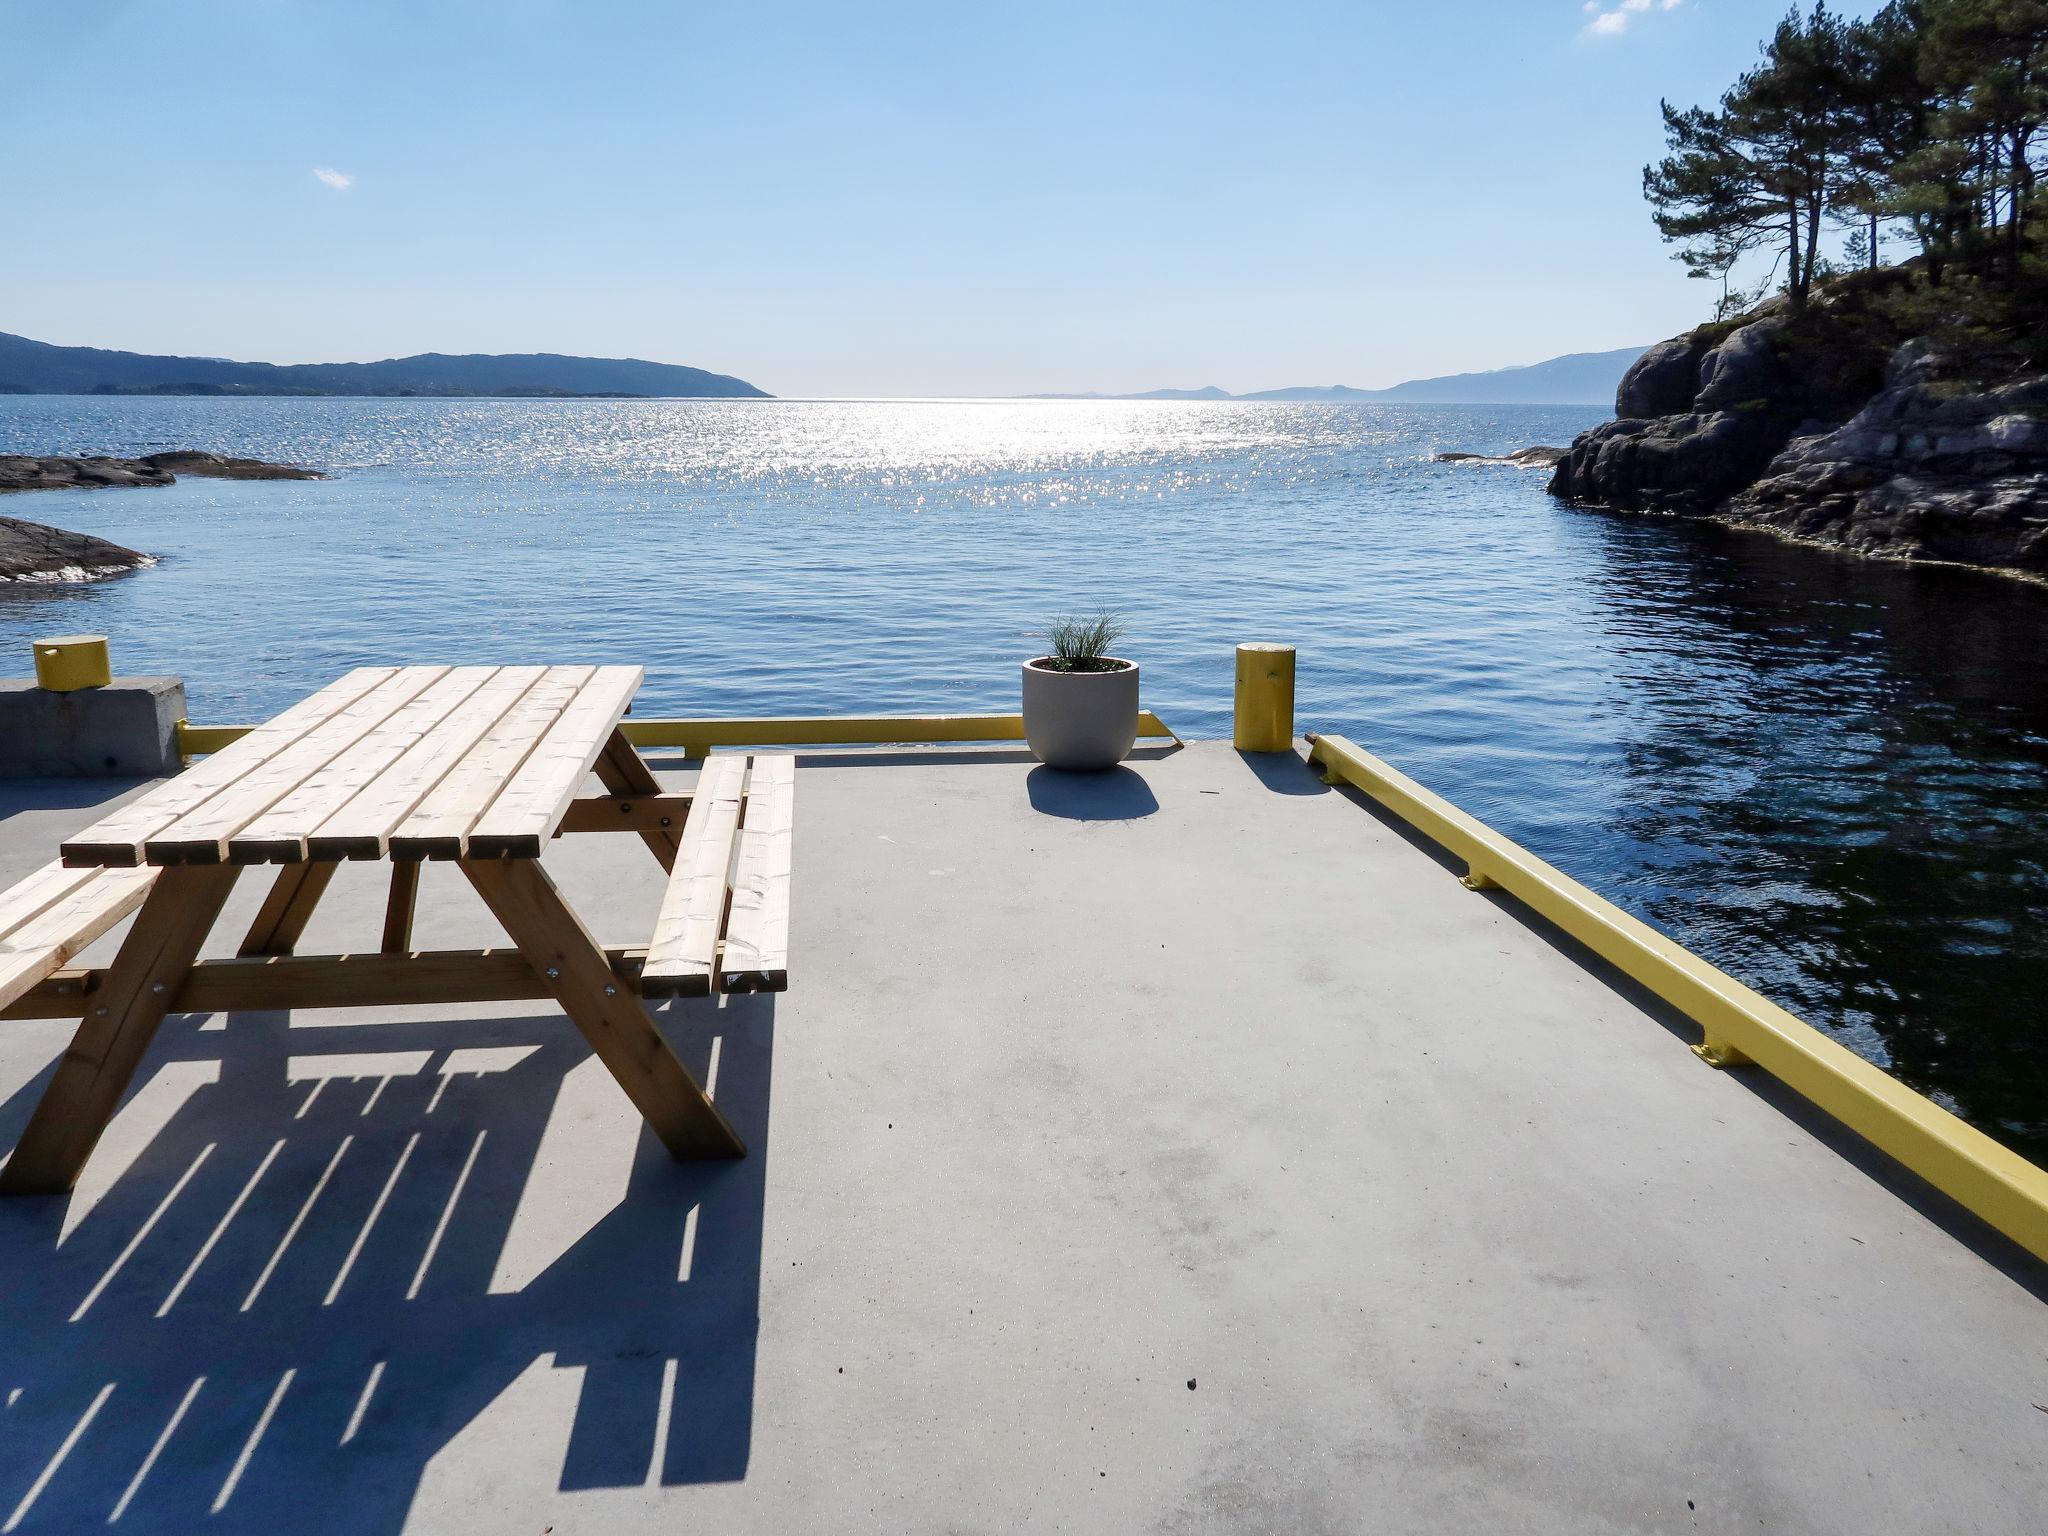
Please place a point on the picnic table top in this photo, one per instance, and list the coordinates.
(402, 762)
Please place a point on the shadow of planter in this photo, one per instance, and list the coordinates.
(1116, 794)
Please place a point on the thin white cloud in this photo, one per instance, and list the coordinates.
(341, 181)
(1615, 20)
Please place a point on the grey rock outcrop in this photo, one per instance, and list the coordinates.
(22, 472)
(1663, 381)
(1728, 422)
(187, 461)
(1922, 462)
(1928, 468)
(36, 552)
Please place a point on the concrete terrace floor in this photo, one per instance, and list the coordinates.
(1176, 1150)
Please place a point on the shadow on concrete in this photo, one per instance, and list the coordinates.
(1285, 773)
(343, 1245)
(24, 795)
(1116, 794)
(888, 756)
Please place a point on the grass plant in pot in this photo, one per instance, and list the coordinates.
(1080, 702)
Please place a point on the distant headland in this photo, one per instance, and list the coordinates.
(1578, 378)
(38, 368)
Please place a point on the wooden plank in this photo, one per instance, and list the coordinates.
(287, 909)
(756, 953)
(438, 827)
(684, 948)
(95, 1069)
(117, 839)
(524, 814)
(398, 907)
(521, 896)
(279, 835)
(201, 835)
(36, 893)
(622, 771)
(362, 828)
(358, 980)
(663, 814)
(65, 926)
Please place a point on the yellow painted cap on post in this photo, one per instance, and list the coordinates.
(68, 663)
(1265, 698)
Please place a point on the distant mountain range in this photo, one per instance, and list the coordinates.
(37, 368)
(1578, 378)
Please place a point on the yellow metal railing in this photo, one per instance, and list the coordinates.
(696, 737)
(1739, 1026)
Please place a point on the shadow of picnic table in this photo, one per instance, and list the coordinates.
(343, 1244)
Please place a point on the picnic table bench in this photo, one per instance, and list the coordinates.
(482, 766)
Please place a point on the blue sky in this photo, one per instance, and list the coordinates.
(856, 198)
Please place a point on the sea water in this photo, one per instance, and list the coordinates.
(1827, 774)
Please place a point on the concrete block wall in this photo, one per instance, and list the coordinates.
(127, 729)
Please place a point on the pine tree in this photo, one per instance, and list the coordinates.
(1764, 169)
(1887, 121)
(1986, 64)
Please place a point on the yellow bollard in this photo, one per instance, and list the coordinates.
(71, 662)
(1265, 699)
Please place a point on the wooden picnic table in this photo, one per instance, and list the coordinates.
(481, 766)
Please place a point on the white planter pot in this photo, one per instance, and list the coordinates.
(1080, 721)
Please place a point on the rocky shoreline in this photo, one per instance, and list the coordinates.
(1907, 452)
(36, 552)
(22, 472)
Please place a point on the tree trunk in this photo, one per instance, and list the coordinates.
(2019, 180)
(1793, 278)
(1930, 248)
(1813, 214)
(1873, 242)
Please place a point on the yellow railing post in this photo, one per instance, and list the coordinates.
(1265, 699)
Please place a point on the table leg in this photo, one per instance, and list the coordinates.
(287, 909)
(398, 906)
(609, 1013)
(96, 1068)
(623, 771)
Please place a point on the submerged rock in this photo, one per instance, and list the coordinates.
(36, 552)
(1539, 456)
